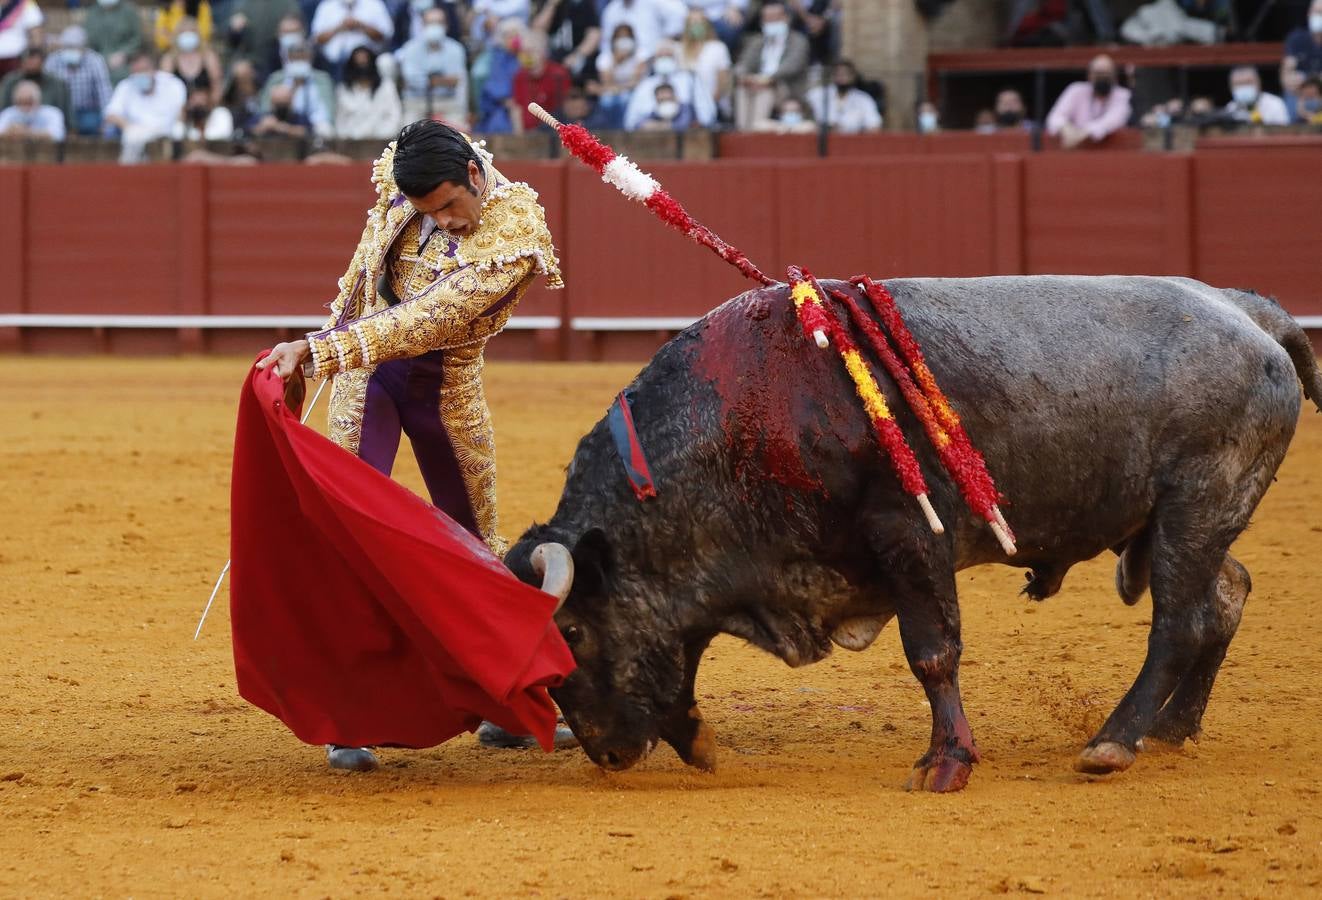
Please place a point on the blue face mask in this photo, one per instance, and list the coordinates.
(143, 81)
(298, 69)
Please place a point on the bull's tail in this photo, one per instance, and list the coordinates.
(1269, 316)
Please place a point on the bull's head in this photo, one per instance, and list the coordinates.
(637, 658)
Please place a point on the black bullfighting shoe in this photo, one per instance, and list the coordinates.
(351, 759)
(492, 736)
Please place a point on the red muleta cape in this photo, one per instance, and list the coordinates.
(361, 614)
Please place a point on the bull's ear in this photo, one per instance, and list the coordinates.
(594, 563)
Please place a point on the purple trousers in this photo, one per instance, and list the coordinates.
(404, 395)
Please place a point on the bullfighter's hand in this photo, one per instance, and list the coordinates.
(287, 358)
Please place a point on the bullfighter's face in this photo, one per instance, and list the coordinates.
(455, 208)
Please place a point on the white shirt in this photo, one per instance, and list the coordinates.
(649, 19)
(688, 90)
(856, 112)
(361, 114)
(14, 39)
(150, 115)
(1270, 108)
(329, 15)
(713, 59)
(219, 127)
(45, 119)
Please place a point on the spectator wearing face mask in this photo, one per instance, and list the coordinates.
(573, 32)
(774, 63)
(87, 76)
(242, 94)
(1308, 104)
(929, 118)
(202, 120)
(280, 119)
(691, 94)
(366, 105)
(341, 26)
(19, 18)
(540, 80)
(984, 122)
(487, 15)
(649, 21)
(701, 53)
(1090, 110)
(667, 113)
(790, 116)
(313, 92)
(727, 18)
(54, 89)
(289, 33)
(28, 118)
(496, 68)
(1304, 44)
(618, 72)
(195, 63)
(1252, 105)
(144, 107)
(253, 29)
(409, 15)
(1010, 112)
(842, 106)
(115, 31)
(434, 70)
(172, 12)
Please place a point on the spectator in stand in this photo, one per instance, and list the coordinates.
(1250, 104)
(203, 121)
(573, 30)
(312, 91)
(539, 80)
(487, 15)
(1291, 79)
(817, 19)
(773, 64)
(54, 90)
(1308, 105)
(624, 67)
(1304, 44)
(144, 107)
(242, 96)
(195, 63)
(790, 116)
(289, 33)
(409, 15)
(929, 118)
(842, 106)
(434, 72)
(496, 112)
(366, 105)
(341, 26)
(728, 19)
(706, 57)
(115, 31)
(666, 112)
(579, 109)
(985, 122)
(172, 12)
(649, 21)
(1010, 111)
(1053, 23)
(692, 95)
(1090, 110)
(1178, 21)
(85, 72)
(29, 119)
(280, 119)
(253, 30)
(18, 20)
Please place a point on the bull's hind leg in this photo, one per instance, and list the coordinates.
(1182, 716)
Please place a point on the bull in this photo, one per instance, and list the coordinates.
(1142, 415)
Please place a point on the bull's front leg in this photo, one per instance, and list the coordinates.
(928, 613)
(683, 727)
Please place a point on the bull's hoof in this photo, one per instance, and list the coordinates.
(351, 759)
(943, 775)
(1104, 758)
(702, 753)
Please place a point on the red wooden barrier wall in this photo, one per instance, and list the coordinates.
(274, 239)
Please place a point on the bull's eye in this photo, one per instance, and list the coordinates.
(571, 635)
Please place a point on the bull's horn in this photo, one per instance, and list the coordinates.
(556, 567)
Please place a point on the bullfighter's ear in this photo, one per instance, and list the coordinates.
(593, 563)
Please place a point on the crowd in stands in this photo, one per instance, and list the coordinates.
(315, 70)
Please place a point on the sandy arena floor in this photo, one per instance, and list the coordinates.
(130, 767)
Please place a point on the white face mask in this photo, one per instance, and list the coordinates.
(298, 69)
(1244, 94)
(927, 122)
(188, 41)
(1315, 23)
(433, 32)
(624, 45)
(144, 81)
(289, 39)
(791, 117)
(776, 29)
(72, 56)
(667, 109)
(108, 2)
(664, 65)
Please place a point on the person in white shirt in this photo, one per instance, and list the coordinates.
(790, 117)
(27, 118)
(366, 105)
(689, 92)
(773, 64)
(341, 26)
(618, 73)
(649, 21)
(434, 70)
(202, 121)
(727, 17)
(14, 30)
(1251, 104)
(144, 107)
(841, 105)
(706, 57)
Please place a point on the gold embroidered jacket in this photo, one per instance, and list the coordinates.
(443, 305)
